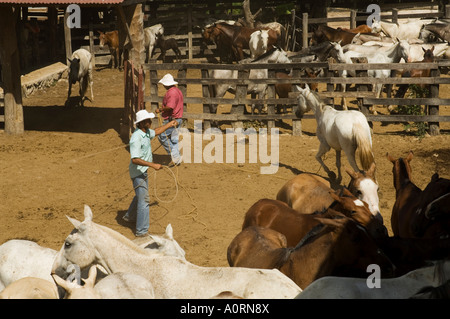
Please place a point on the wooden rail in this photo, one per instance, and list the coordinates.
(236, 116)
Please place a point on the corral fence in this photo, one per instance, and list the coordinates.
(187, 75)
(300, 28)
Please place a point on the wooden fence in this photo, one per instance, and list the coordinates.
(300, 28)
(237, 116)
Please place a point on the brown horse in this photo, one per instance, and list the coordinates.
(335, 247)
(325, 33)
(283, 89)
(428, 56)
(223, 42)
(112, 40)
(363, 28)
(409, 254)
(432, 217)
(240, 37)
(298, 191)
(406, 196)
(277, 215)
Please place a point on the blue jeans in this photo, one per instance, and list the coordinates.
(169, 140)
(139, 209)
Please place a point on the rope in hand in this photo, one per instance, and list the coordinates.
(192, 214)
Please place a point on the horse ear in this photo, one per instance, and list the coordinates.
(423, 49)
(371, 171)
(87, 213)
(169, 231)
(410, 156)
(351, 173)
(63, 283)
(307, 87)
(334, 195)
(74, 222)
(435, 177)
(90, 281)
(390, 158)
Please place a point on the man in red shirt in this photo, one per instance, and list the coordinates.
(171, 109)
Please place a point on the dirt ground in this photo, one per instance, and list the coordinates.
(72, 156)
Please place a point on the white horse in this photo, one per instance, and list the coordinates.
(24, 258)
(340, 130)
(391, 55)
(171, 277)
(274, 55)
(404, 31)
(80, 70)
(258, 43)
(402, 287)
(150, 35)
(114, 286)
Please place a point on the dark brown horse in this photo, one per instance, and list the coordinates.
(335, 247)
(111, 39)
(432, 217)
(277, 215)
(406, 197)
(223, 42)
(167, 44)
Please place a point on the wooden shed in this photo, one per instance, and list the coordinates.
(130, 14)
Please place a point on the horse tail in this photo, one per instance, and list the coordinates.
(364, 144)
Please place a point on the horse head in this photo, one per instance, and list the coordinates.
(349, 205)
(74, 69)
(364, 186)
(401, 169)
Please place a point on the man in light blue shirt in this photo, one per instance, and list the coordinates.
(141, 160)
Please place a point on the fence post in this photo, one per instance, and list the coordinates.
(205, 93)
(241, 93)
(364, 108)
(352, 19)
(271, 94)
(395, 15)
(447, 11)
(153, 88)
(293, 32)
(434, 109)
(296, 123)
(305, 30)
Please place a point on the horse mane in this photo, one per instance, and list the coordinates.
(122, 239)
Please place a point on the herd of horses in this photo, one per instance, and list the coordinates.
(311, 231)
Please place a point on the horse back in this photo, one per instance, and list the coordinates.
(256, 247)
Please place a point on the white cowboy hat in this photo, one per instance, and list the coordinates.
(168, 80)
(143, 115)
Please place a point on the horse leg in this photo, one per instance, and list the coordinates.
(323, 148)
(338, 165)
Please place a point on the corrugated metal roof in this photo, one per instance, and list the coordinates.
(63, 2)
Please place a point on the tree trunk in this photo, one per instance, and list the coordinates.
(249, 17)
(9, 57)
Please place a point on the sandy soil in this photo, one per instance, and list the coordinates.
(72, 156)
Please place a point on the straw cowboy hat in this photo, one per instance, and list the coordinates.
(168, 80)
(143, 115)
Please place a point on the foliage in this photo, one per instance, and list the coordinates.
(421, 128)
